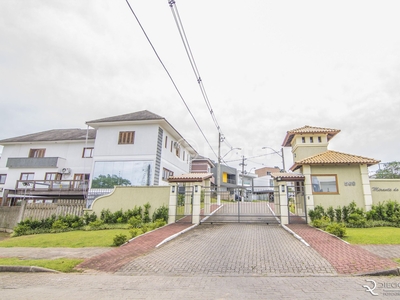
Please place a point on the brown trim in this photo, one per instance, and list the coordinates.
(325, 193)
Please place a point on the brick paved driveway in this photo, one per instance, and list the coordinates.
(232, 250)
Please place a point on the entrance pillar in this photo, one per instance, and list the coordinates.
(173, 196)
(196, 204)
(308, 188)
(283, 202)
(188, 198)
(366, 187)
(207, 197)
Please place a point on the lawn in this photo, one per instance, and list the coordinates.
(71, 239)
(65, 265)
(375, 235)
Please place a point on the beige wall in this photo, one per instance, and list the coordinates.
(385, 189)
(347, 192)
(127, 197)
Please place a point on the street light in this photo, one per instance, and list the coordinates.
(280, 154)
(221, 139)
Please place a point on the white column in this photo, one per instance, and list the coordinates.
(283, 201)
(173, 192)
(207, 197)
(196, 203)
(188, 199)
(308, 189)
(366, 187)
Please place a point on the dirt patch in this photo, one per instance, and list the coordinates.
(4, 236)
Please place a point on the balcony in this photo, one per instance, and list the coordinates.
(35, 162)
(52, 188)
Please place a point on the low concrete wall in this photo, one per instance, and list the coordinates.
(127, 197)
(384, 190)
(9, 216)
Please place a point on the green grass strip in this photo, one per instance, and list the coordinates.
(65, 265)
(373, 236)
(70, 239)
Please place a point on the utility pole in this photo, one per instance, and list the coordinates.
(220, 139)
(243, 165)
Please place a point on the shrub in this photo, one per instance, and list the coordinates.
(338, 214)
(146, 215)
(96, 224)
(161, 213)
(136, 222)
(120, 239)
(134, 232)
(357, 220)
(338, 229)
(330, 212)
(321, 223)
(89, 218)
(59, 224)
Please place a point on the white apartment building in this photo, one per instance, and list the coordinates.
(135, 149)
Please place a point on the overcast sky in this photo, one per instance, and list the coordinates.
(267, 67)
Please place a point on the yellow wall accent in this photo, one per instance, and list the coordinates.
(347, 192)
(127, 197)
(225, 177)
(384, 190)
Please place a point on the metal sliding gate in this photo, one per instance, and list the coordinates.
(241, 205)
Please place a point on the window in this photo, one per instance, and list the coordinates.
(87, 152)
(172, 144)
(3, 178)
(166, 142)
(27, 176)
(311, 139)
(178, 151)
(319, 140)
(37, 152)
(324, 184)
(126, 137)
(303, 139)
(53, 176)
(184, 155)
(166, 174)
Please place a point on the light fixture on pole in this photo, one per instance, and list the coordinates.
(280, 154)
(221, 139)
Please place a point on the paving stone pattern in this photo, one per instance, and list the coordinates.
(345, 258)
(232, 250)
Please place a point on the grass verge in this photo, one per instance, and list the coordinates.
(65, 265)
(70, 239)
(373, 236)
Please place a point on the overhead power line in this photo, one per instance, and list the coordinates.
(170, 77)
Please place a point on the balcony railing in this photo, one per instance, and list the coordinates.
(51, 185)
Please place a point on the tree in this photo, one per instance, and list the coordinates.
(391, 170)
(108, 182)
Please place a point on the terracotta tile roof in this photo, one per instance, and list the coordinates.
(333, 157)
(306, 130)
(54, 135)
(190, 177)
(288, 176)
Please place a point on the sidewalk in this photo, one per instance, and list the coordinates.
(345, 258)
(114, 259)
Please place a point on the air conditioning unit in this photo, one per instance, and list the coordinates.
(66, 170)
(176, 145)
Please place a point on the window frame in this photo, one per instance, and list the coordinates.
(324, 192)
(57, 176)
(126, 138)
(166, 174)
(36, 152)
(27, 173)
(84, 151)
(3, 176)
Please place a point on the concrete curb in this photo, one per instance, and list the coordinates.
(175, 235)
(391, 272)
(295, 235)
(26, 269)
